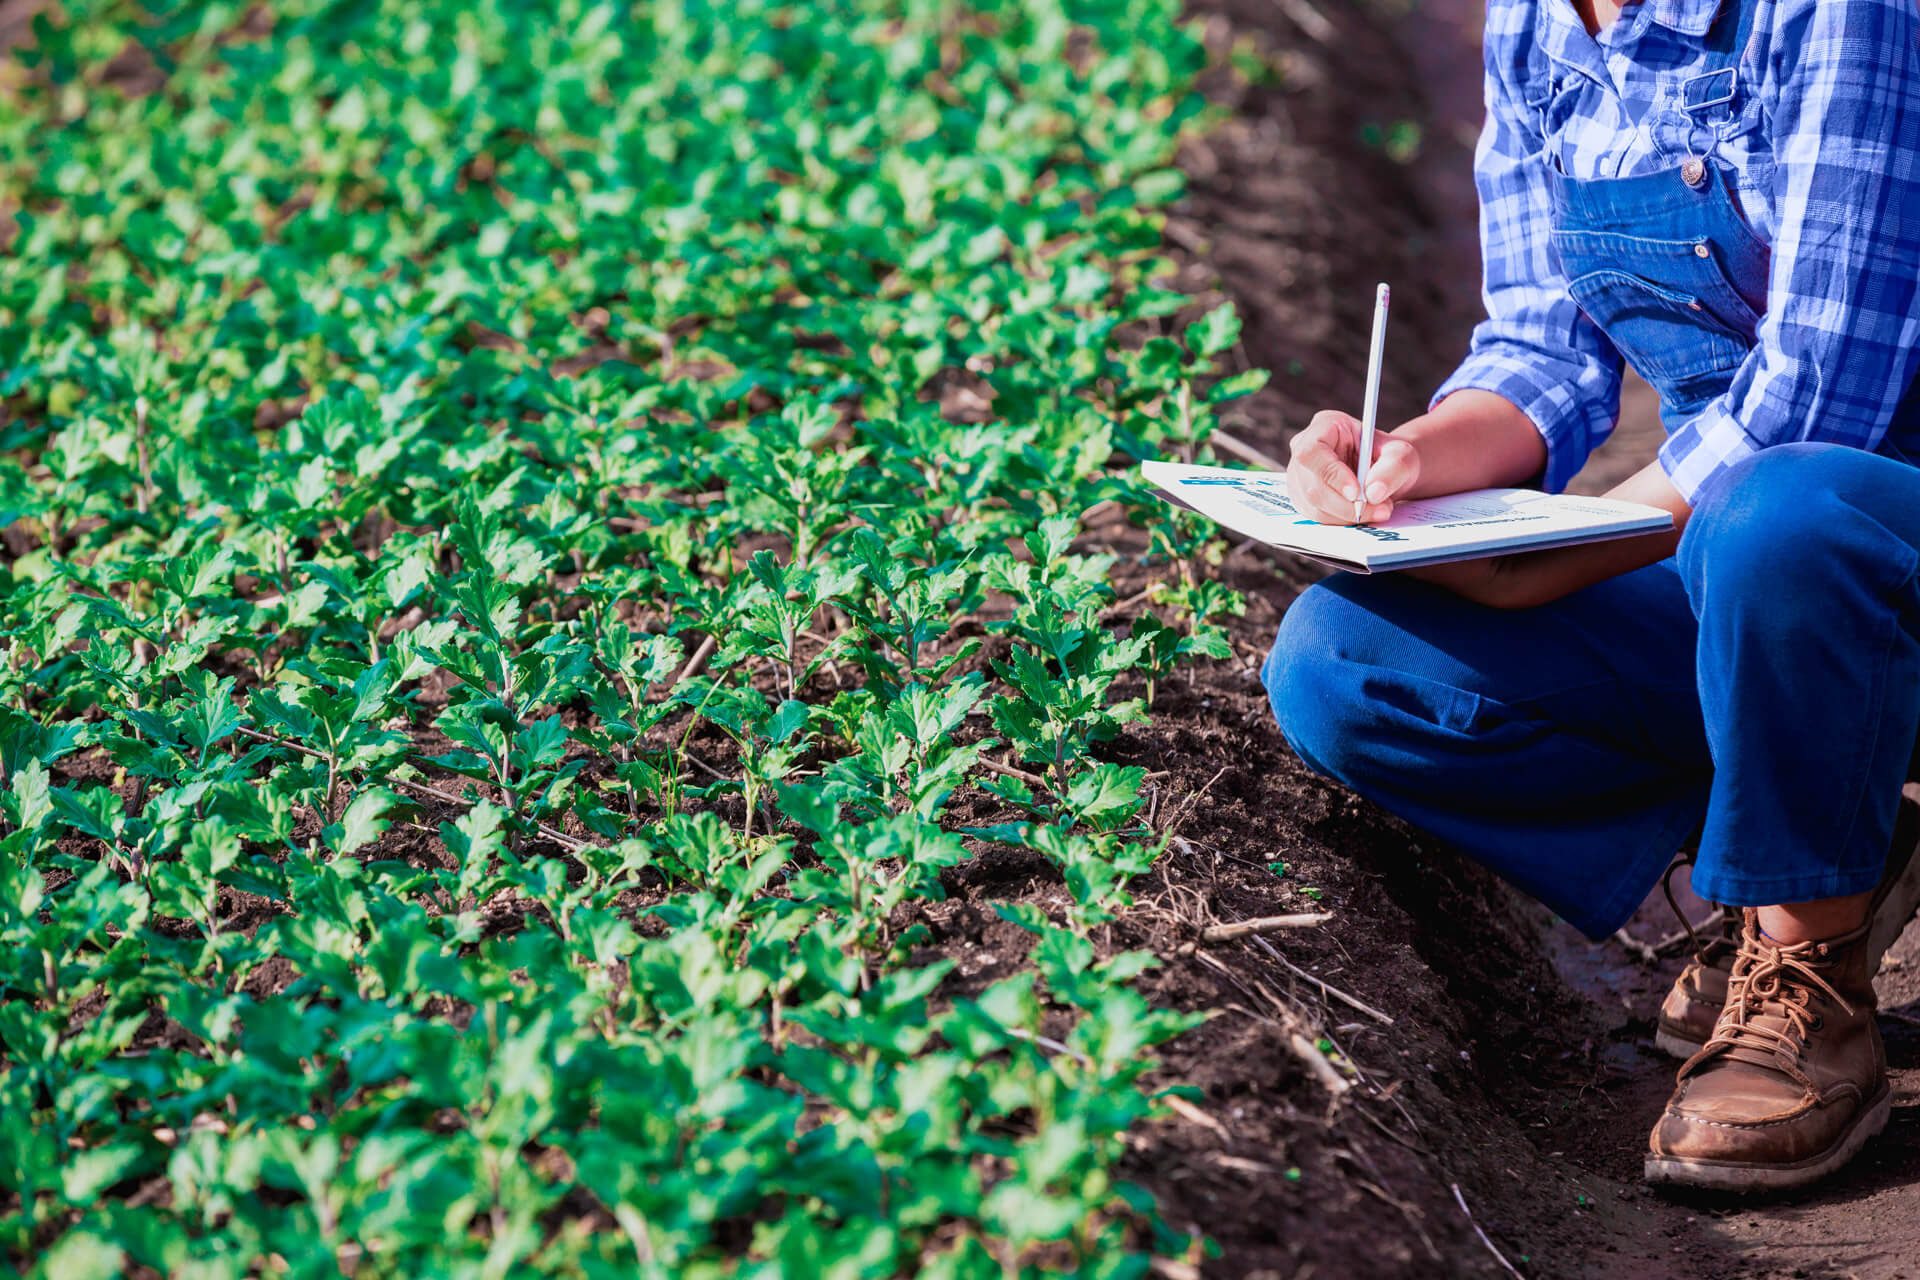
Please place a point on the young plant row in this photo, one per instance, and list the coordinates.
(537, 534)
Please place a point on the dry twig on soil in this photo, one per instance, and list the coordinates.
(1317, 1064)
(1187, 1111)
(1185, 236)
(1646, 955)
(1326, 988)
(1379, 1189)
(1188, 847)
(1691, 935)
(1292, 1026)
(1498, 1256)
(1048, 1042)
(1309, 1053)
(704, 767)
(1008, 771)
(1246, 928)
(698, 661)
(1187, 807)
(1310, 20)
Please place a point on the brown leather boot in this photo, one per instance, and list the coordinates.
(1794, 1080)
(1692, 1006)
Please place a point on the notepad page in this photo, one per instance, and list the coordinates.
(1256, 504)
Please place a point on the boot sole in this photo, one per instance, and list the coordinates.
(1740, 1176)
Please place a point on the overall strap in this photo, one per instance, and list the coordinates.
(1732, 29)
(1709, 95)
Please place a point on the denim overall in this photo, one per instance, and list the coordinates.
(1760, 689)
(1665, 262)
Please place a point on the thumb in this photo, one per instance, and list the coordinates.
(1395, 468)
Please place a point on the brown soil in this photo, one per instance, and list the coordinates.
(1513, 1090)
(1502, 1070)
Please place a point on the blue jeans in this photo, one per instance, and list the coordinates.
(1762, 686)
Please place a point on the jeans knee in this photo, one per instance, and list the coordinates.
(1305, 684)
(1768, 515)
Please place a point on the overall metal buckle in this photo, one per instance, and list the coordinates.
(1699, 97)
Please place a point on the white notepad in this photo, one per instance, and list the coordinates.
(1460, 526)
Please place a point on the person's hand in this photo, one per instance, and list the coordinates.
(1320, 470)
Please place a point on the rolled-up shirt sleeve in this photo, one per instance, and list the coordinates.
(1840, 341)
(1536, 348)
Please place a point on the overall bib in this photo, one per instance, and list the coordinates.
(1665, 262)
(1761, 687)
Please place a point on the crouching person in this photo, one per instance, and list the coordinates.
(1739, 220)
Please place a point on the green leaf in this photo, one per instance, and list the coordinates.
(809, 805)
(788, 720)
(1159, 187)
(361, 822)
(541, 743)
(477, 835)
(212, 847)
(32, 795)
(86, 1174)
(94, 811)
(81, 1254)
(1025, 1213)
(1240, 384)
(1214, 332)
(1106, 794)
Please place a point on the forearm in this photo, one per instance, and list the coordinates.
(1538, 577)
(1473, 440)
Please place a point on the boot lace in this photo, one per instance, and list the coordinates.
(1776, 980)
(1723, 922)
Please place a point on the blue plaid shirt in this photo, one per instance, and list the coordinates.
(1830, 178)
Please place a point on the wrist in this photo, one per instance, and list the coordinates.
(1474, 439)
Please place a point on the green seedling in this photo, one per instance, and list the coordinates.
(530, 531)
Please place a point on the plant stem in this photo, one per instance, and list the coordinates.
(143, 495)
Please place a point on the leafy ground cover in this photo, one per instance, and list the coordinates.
(534, 534)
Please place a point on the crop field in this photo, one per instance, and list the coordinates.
(532, 533)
